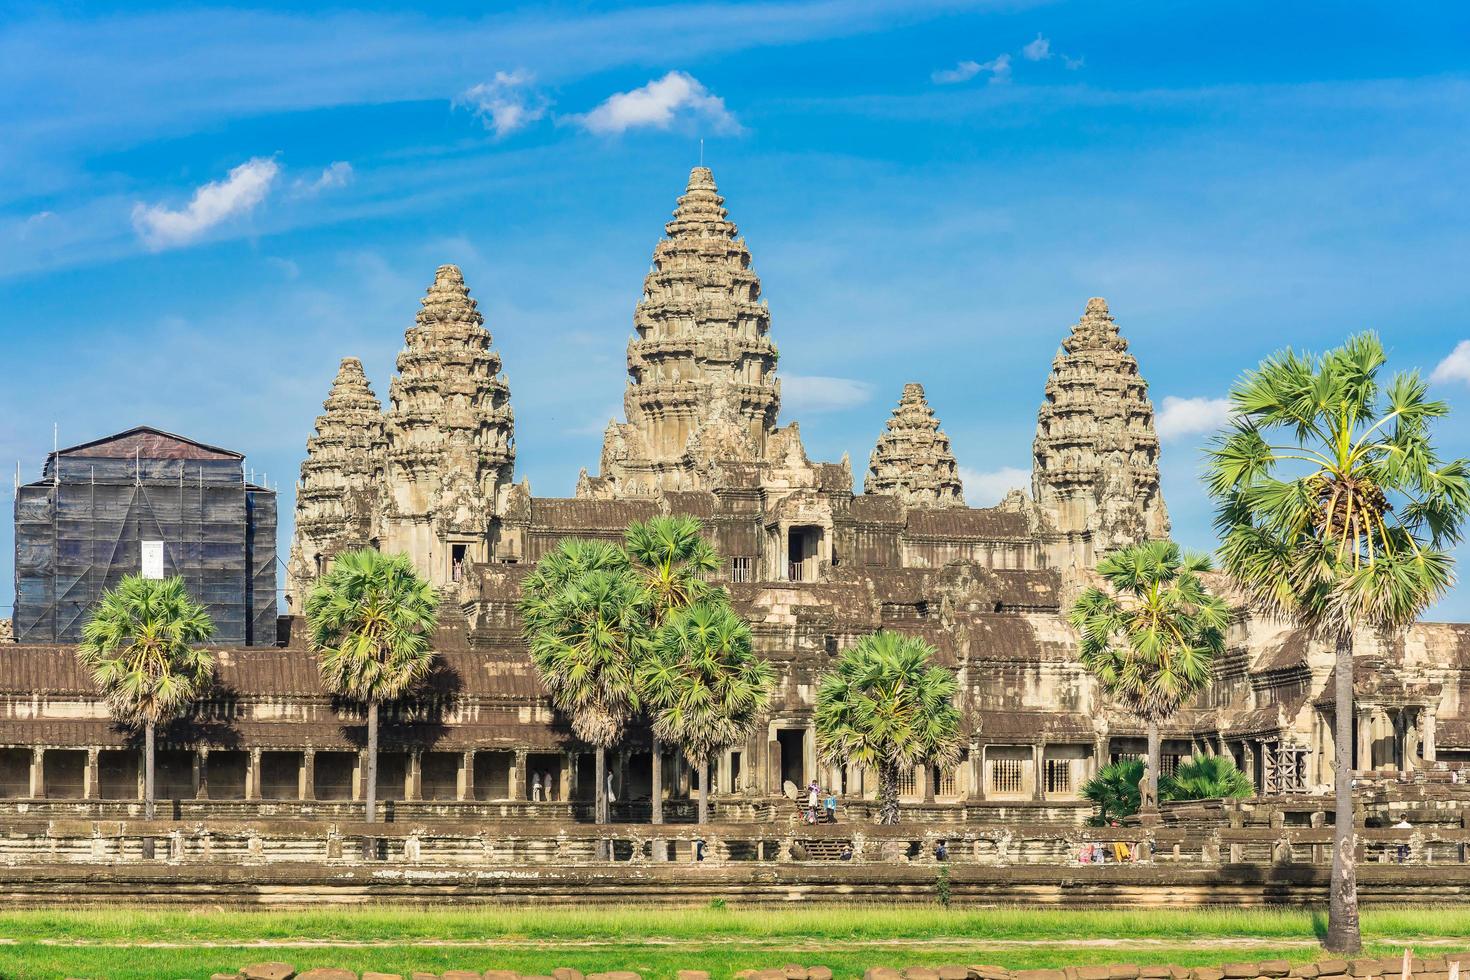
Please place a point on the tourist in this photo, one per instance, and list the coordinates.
(831, 806)
(941, 851)
(846, 853)
(536, 787)
(1403, 848)
(546, 786)
(699, 849)
(813, 791)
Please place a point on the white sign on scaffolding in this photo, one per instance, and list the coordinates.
(153, 559)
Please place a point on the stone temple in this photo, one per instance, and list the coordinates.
(812, 563)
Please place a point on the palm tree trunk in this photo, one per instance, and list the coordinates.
(887, 793)
(371, 791)
(704, 791)
(149, 810)
(1343, 935)
(1155, 759)
(658, 781)
(599, 806)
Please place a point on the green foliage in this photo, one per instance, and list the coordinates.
(674, 561)
(1152, 639)
(371, 620)
(703, 681)
(1206, 777)
(139, 647)
(884, 705)
(1114, 790)
(1334, 509)
(942, 886)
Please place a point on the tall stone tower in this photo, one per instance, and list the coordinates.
(702, 369)
(912, 459)
(340, 477)
(450, 435)
(1095, 468)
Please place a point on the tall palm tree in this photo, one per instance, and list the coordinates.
(586, 640)
(886, 707)
(1336, 514)
(1151, 639)
(673, 560)
(139, 645)
(705, 685)
(371, 620)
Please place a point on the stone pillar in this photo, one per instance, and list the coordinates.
(201, 773)
(1428, 745)
(854, 781)
(808, 755)
(926, 774)
(574, 767)
(359, 777)
(1249, 754)
(656, 782)
(975, 790)
(252, 776)
(568, 779)
(465, 788)
(980, 783)
(306, 787)
(1365, 739)
(91, 788)
(414, 775)
(1038, 783)
(518, 783)
(773, 767)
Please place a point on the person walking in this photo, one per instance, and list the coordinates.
(830, 805)
(813, 791)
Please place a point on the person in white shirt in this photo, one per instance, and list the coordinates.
(536, 787)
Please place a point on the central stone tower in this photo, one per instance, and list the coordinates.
(702, 369)
(1095, 466)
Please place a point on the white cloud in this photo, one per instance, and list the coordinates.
(1191, 416)
(338, 174)
(999, 68)
(1072, 63)
(810, 393)
(1037, 50)
(507, 103)
(985, 489)
(215, 202)
(1456, 367)
(659, 104)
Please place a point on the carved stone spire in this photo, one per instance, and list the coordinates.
(450, 434)
(1095, 470)
(702, 369)
(912, 459)
(339, 479)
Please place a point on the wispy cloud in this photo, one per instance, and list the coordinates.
(507, 103)
(1456, 367)
(999, 69)
(1181, 417)
(659, 104)
(338, 174)
(212, 204)
(986, 488)
(1037, 50)
(810, 393)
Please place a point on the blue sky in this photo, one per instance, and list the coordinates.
(203, 209)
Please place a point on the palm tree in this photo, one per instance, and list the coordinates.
(885, 706)
(139, 647)
(1337, 515)
(371, 620)
(586, 640)
(673, 560)
(705, 685)
(1207, 777)
(1115, 790)
(1151, 639)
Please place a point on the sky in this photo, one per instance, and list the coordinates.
(203, 209)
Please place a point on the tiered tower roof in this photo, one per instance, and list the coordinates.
(912, 459)
(450, 430)
(702, 368)
(340, 475)
(1096, 454)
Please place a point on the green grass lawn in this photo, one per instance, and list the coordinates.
(138, 943)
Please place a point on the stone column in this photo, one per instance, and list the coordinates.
(465, 790)
(359, 776)
(808, 755)
(201, 773)
(656, 781)
(414, 777)
(306, 787)
(568, 779)
(975, 790)
(1249, 754)
(1428, 746)
(90, 783)
(980, 784)
(518, 782)
(1365, 739)
(926, 773)
(772, 762)
(1038, 783)
(252, 776)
